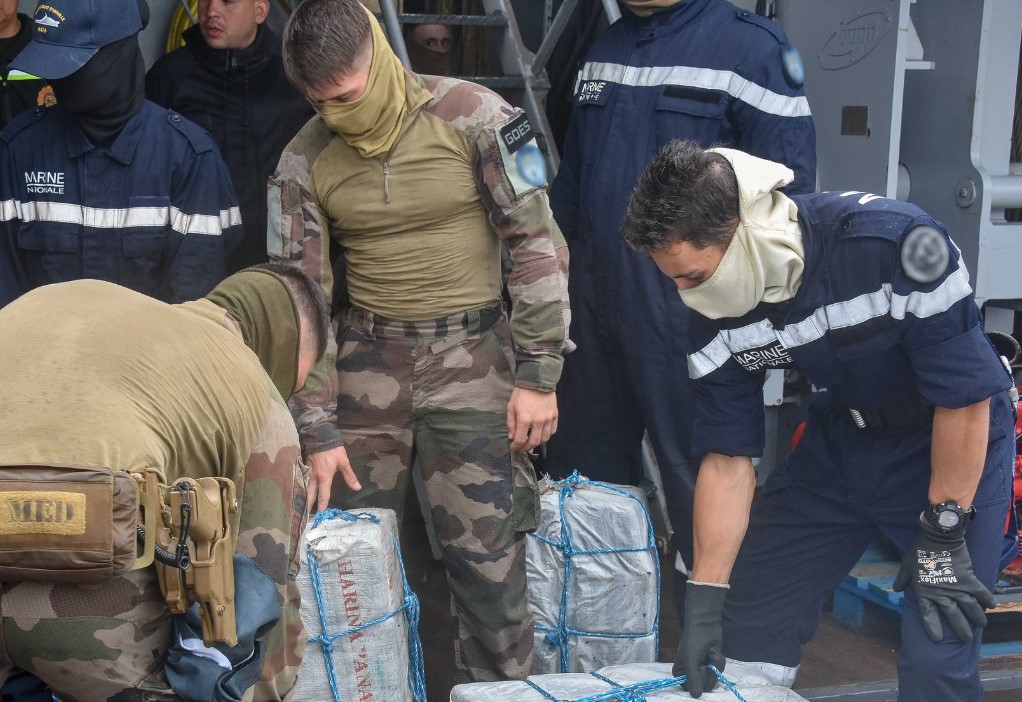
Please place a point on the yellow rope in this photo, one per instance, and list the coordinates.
(179, 23)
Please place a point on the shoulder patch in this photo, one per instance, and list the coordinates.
(521, 160)
(793, 67)
(531, 165)
(762, 22)
(21, 122)
(516, 133)
(925, 254)
(196, 135)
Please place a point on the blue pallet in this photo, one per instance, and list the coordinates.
(871, 582)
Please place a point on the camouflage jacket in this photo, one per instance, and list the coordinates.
(305, 228)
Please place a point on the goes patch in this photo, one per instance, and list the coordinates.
(523, 162)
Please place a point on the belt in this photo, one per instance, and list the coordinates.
(903, 416)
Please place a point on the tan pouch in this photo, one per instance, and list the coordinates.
(67, 524)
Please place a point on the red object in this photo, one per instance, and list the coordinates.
(796, 436)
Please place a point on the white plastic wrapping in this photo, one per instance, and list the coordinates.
(608, 593)
(360, 580)
(578, 686)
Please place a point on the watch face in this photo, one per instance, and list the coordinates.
(948, 519)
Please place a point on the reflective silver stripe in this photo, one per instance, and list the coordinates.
(709, 358)
(954, 288)
(838, 315)
(729, 341)
(204, 224)
(97, 217)
(727, 81)
(9, 210)
(120, 218)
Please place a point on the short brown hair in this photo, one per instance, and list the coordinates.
(324, 39)
(309, 298)
(685, 194)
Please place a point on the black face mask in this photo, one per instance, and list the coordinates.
(430, 63)
(106, 92)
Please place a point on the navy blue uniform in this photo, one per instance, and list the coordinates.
(871, 339)
(154, 212)
(701, 70)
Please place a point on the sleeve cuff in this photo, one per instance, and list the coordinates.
(321, 437)
(539, 372)
(959, 371)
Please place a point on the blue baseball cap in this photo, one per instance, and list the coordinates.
(67, 33)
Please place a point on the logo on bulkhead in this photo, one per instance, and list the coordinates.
(44, 182)
(854, 40)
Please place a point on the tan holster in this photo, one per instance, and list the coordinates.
(197, 530)
(83, 524)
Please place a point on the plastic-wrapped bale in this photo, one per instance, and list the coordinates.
(359, 613)
(649, 681)
(594, 578)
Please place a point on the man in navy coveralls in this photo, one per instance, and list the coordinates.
(910, 435)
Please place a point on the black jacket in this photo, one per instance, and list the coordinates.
(21, 91)
(242, 98)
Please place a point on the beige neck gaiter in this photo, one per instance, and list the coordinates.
(372, 123)
(765, 259)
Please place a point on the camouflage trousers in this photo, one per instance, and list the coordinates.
(110, 641)
(125, 621)
(437, 392)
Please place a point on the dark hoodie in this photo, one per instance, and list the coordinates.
(243, 99)
(21, 91)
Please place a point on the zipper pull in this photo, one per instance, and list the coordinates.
(386, 182)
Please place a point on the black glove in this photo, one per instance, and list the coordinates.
(939, 571)
(702, 637)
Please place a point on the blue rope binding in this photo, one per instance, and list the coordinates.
(635, 692)
(416, 674)
(559, 636)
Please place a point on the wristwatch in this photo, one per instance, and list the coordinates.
(947, 516)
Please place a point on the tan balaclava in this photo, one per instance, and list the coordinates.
(765, 259)
(645, 8)
(371, 124)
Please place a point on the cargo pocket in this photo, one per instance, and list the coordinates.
(50, 256)
(143, 252)
(683, 112)
(525, 495)
(525, 499)
(869, 356)
(144, 243)
(348, 340)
